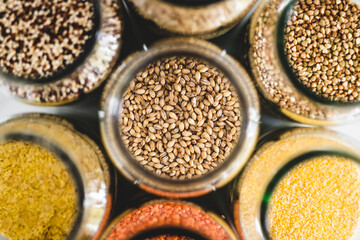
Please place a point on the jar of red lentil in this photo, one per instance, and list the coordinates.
(53, 52)
(299, 183)
(168, 220)
(180, 119)
(304, 58)
(197, 18)
(55, 182)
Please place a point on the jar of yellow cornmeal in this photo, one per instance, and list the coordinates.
(300, 184)
(54, 181)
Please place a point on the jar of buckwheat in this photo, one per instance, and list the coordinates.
(304, 58)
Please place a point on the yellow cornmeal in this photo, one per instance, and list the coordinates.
(317, 199)
(38, 198)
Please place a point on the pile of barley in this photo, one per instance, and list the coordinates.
(180, 118)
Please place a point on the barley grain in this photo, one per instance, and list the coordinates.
(170, 112)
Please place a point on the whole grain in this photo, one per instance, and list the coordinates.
(85, 77)
(270, 76)
(206, 21)
(39, 38)
(322, 39)
(180, 118)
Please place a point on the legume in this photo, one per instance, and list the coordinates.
(181, 118)
(317, 199)
(322, 45)
(38, 196)
(39, 38)
(169, 237)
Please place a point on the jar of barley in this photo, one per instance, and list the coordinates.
(304, 57)
(302, 193)
(197, 18)
(53, 52)
(180, 119)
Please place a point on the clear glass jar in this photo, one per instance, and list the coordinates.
(277, 154)
(168, 217)
(112, 104)
(84, 160)
(199, 18)
(87, 71)
(274, 77)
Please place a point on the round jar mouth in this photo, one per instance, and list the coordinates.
(272, 162)
(289, 166)
(198, 18)
(65, 159)
(112, 102)
(83, 159)
(168, 231)
(285, 14)
(69, 69)
(93, 65)
(192, 2)
(161, 217)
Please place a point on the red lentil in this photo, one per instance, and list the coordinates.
(165, 214)
(169, 237)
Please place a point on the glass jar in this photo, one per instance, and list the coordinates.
(274, 77)
(277, 156)
(83, 160)
(200, 18)
(168, 217)
(88, 70)
(112, 103)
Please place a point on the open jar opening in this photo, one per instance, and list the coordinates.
(67, 193)
(310, 58)
(322, 185)
(114, 102)
(282, 192)
(81, 45)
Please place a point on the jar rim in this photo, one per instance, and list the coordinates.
(178, 18)
(69, 69)
(251, 216)
(111, 107)
(219, 221)
(285, 15)
(273, 81)
(61, 156)
(93, 184)
(88, 70)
